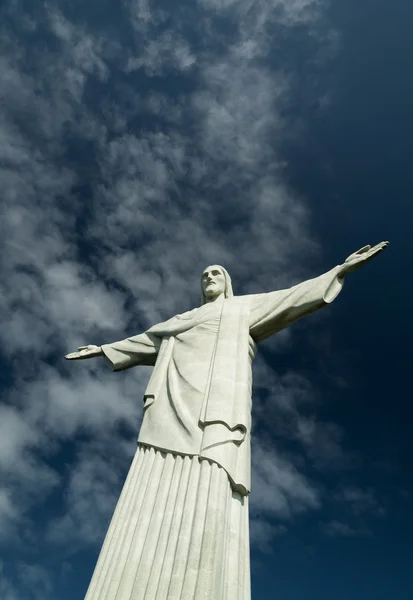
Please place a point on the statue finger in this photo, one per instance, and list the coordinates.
(373, 252)
(72, 355)
(377, 247)
(363, 249)
(380, 246)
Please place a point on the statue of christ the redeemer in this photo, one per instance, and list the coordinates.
(180, 528)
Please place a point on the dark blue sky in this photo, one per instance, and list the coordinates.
(142, 141)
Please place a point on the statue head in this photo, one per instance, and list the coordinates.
(215, 281)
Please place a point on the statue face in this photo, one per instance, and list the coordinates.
(213, 282)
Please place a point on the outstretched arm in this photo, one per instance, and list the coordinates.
(271, 312)
(137, 350)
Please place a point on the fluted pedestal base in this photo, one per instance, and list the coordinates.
(178, 533)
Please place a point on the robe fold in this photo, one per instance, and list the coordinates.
(198, 399)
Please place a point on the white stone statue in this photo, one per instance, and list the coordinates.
(180, 528)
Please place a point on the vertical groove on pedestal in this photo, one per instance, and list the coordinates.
(123, 527)
(220, 533)
(205, 574)
(227, 519)
(197, 532)
(110, 590)
(246, 550)
(157, 566)
(111, 541)
(184, 535)
(178, 533)
(173, 536)
(136, 534)
(145, 552)
(234, 542)
(241, 550)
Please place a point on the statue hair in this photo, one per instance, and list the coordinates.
(228, 293)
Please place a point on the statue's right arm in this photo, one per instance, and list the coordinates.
(85, 352)
(140, 349)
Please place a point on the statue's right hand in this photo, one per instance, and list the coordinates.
(85, 352)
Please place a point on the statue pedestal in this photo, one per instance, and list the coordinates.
(179, 532)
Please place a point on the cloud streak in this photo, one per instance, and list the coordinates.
(130, 159)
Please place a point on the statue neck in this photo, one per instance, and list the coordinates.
(219, 298)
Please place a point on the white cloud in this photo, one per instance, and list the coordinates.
(361, 501)
(339, 529)
(8, 514)
(284, 11)
(175, 181)
(95, 482)
(280, 490)
(288, 407)
(262, 534)
(8, 591)
(36, 579)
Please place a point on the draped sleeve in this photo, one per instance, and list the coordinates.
(273, 311)
(140, 349)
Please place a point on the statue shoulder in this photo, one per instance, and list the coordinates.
(190, 314)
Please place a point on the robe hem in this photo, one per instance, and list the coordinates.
(236, 487)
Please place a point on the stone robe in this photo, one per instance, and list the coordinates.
(198, 400)
(180, 528)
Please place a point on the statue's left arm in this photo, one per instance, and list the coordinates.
(271, 312)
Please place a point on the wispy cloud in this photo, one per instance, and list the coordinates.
(358, 508)
(339, 529)
(361, 501)
(92, 491)
(130, 158)
(287, 406)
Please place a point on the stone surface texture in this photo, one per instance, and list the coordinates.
(178, 531)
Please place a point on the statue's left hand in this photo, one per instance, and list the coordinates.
(361, 257)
